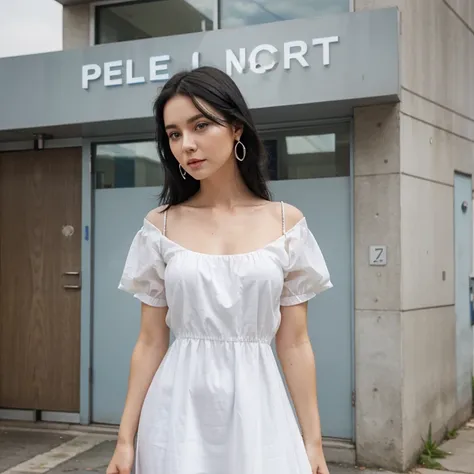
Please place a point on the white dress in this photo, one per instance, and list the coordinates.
(217, 404)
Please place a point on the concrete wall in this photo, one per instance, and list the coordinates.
(437, 139)
(76, 26)
(405, 160)
(377, 213)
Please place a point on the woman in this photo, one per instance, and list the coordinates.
(227, 270)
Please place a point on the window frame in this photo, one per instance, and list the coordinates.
(302, 129)
(266, 132)
(93, 17)
(114, 141)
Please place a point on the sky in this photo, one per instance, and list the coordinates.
(29, 27)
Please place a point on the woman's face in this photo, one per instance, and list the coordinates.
(201, 146)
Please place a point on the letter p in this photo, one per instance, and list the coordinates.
(90, 72)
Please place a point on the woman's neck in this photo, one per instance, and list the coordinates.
(225, 189)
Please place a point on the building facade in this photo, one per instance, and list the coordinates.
(367, 113)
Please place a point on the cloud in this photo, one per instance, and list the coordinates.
(253, 12)
(307, 8)
(205, 7)
(29, 27)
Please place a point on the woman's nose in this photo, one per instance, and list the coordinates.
(188, 142)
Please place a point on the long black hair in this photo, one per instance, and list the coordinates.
(217, 89)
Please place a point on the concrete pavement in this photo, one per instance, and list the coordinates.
(39, 448)
(461, 453)
(59, 449)
(19, 446)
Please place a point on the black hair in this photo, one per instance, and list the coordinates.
(217, 89)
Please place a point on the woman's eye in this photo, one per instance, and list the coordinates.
(174, 135)
(201, 126)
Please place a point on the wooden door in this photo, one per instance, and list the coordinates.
(40, 243)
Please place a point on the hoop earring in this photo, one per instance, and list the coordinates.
(244, 151)
(182, 172)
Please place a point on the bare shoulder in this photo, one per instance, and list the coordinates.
(292, 215)
(156, 216)
(275, 210)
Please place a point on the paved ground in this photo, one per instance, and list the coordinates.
(37, 451)
(53, 449)
(19, 446)
(461, 449)
(92, 461)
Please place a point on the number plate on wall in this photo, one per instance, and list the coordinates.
(378, 255)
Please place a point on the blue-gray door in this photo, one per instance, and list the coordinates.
(463, 267)
(326, 205)
(310, 169)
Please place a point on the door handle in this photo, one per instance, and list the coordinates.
(72, 287)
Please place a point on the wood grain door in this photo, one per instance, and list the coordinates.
(40, 261)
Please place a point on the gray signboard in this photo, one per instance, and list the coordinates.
(349, 58)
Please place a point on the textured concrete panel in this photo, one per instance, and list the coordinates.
(379, 372)
(377, 222)
(429, 375)
(427, 244)
(376, 140)
(76, 27)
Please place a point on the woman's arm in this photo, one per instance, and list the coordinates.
(148, 353)
(297, 360)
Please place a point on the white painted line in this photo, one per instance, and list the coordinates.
(47, 461)
(108, 434)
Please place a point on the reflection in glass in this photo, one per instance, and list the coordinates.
(311, 153)
(314, 152)
(236, 13)
(150, 19)
(127, 165)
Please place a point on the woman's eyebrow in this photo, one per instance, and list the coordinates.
(190, 120)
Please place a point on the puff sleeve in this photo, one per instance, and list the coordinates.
(306, 273)
(143, 274)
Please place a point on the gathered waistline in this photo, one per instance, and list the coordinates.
(252, 340)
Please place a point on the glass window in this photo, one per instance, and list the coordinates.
(149, 19)
(318, 152)
(235, 13)
(315, 152)
(127, 165)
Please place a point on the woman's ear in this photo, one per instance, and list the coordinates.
(238, 130)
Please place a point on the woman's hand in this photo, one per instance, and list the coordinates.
(122, 460)
(316, 459)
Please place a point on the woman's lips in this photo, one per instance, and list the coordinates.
(195, 164)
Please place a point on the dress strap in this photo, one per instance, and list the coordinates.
(165, 215)
(283, 222)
